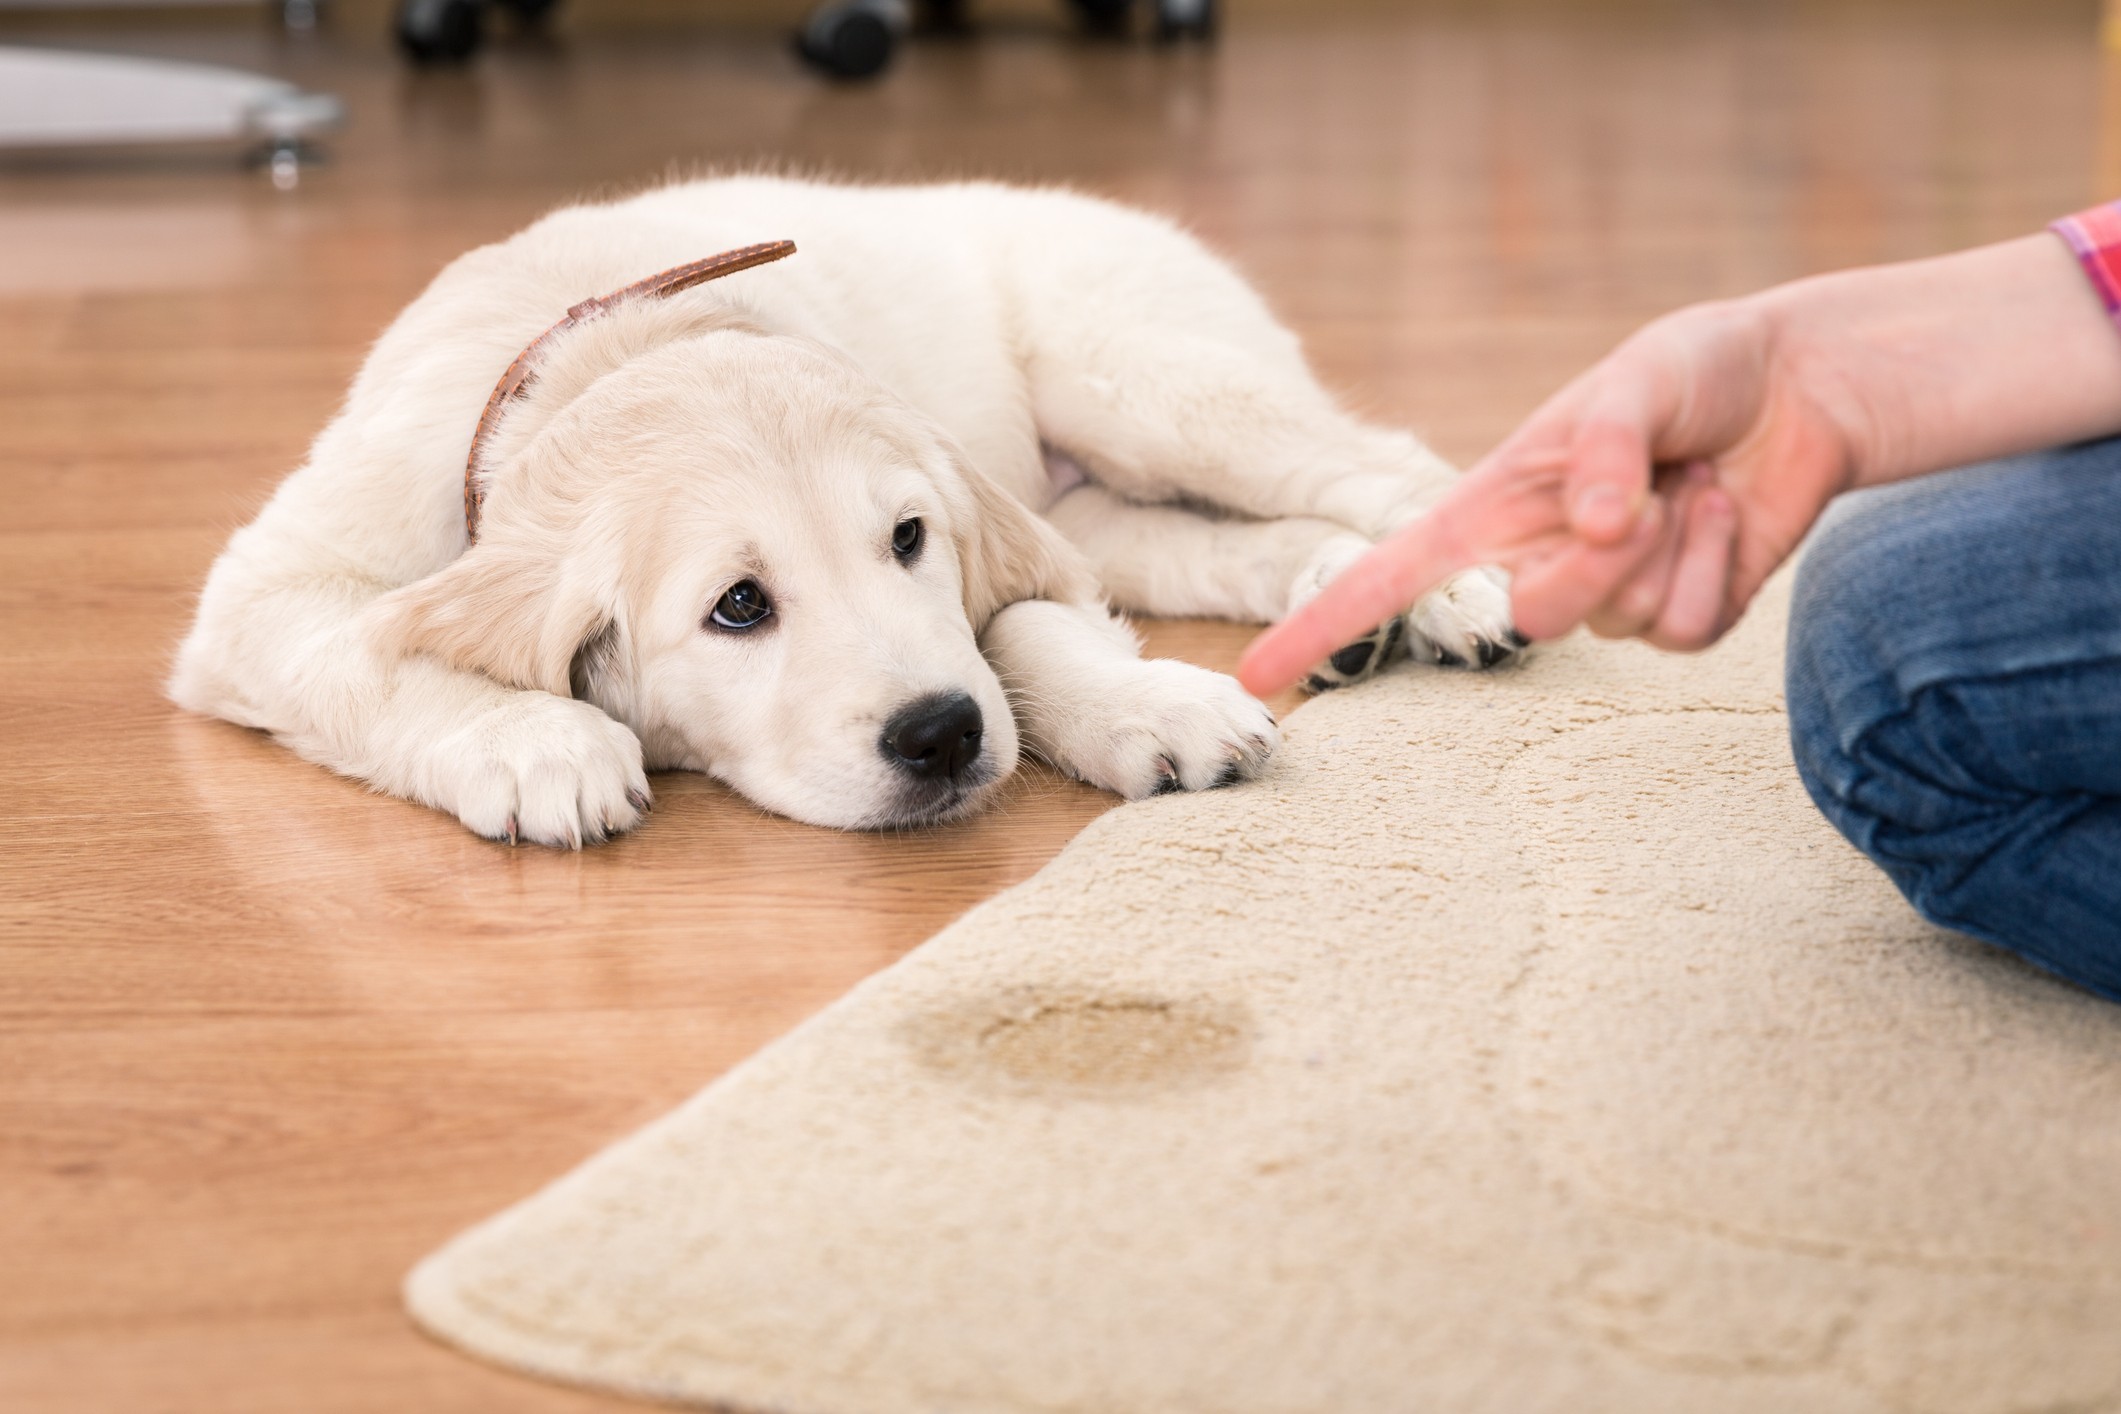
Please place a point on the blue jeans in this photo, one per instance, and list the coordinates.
(1955, 698)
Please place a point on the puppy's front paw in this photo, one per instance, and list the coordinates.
(1465, 622)
(541, 768)
(1169, 726)
(1357, 660)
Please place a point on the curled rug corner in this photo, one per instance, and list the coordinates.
(1524, 1042)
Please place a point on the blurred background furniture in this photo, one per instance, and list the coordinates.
(844, 38)
(55, 98)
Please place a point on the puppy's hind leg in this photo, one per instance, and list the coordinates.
(1176, 562)
(1161, 415)
(1173, 416)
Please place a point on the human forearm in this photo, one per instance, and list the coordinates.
(1959, 359)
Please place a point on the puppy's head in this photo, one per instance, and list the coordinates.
(772, 569)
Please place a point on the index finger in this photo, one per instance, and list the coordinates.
(1397, 571)
(1506, 505)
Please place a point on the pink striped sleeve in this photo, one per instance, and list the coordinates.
(2095, 236)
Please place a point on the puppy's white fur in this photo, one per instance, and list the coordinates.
(912, 361)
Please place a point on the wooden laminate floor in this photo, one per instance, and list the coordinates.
(265, 1038)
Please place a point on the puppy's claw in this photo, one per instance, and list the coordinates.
(1167, 776)
(540, 770)
(639, 799)
(1465, 623)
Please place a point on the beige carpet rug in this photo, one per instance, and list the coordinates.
(1524, 1043)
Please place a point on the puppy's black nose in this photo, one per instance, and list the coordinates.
(934, 737)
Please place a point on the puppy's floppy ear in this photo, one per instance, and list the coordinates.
(1006, 553)
(517, 616)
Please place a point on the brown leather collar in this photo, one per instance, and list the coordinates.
(519, 373)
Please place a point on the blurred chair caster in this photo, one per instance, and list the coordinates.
(941, 17)
(451, 31)
(1173, 19)
(848, 39)
(853, 39)
(1186, 19)
(1103, 16)
(440, 31)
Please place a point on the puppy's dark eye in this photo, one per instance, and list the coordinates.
(906, 538)
(744, 607)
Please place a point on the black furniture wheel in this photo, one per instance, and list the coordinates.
(940, 17)
(1103, 16)
(1187, 19)
(439, 31)
(850, 39)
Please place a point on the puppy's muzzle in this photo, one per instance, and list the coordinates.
(934, 738)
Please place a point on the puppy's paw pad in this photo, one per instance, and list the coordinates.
(1358, 661)
(1465, 623)
(540, 769)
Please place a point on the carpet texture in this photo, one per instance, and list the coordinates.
(1524, 1042)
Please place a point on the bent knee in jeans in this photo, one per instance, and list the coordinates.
(1954, 686)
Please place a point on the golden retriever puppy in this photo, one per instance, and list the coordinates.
(840, 530)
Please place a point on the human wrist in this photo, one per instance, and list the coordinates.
(1820, 365)
(1963, 358)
